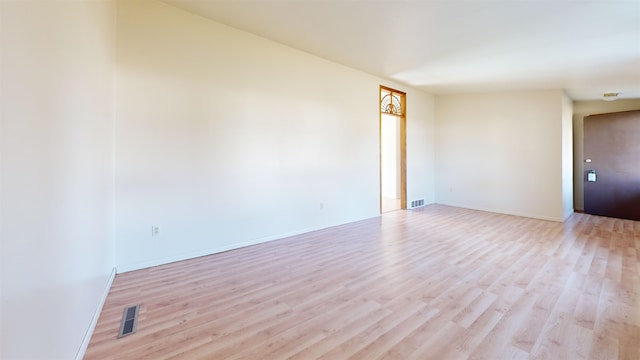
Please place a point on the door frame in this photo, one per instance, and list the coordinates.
(403, 143)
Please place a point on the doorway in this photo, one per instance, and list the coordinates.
(393, 186)
(612, 165)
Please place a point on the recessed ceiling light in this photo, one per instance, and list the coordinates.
(610, 96)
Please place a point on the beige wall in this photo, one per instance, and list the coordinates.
(225, 139)
(580, 110)
(502, 152)
(56, 171)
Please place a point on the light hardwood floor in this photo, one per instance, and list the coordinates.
(434, 283)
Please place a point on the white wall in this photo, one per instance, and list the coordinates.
(580, 110)
(567, 156)
(56, 173)
(391, 157)
(225, 139)
(420, 116)
(501, 152)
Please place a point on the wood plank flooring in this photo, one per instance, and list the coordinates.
(434, 283)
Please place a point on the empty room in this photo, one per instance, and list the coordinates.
(302, 179)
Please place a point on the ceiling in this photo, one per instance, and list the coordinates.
(586, 48)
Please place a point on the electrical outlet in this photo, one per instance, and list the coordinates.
(321, 206)
(155, 230)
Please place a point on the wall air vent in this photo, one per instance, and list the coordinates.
(129, 321)
(417, 203)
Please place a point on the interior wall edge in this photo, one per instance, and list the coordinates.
(568, 214)
(96, 316)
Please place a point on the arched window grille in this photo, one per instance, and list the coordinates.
(391, 103)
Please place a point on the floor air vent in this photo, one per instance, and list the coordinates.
(129, 321)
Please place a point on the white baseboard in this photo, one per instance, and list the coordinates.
(122, 268)
(96, 316)
(209, 251)
(508, 212)
(568, 214)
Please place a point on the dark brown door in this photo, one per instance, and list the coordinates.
(612, 165)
